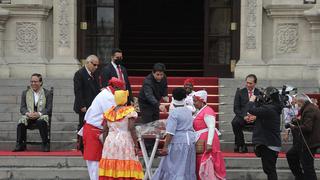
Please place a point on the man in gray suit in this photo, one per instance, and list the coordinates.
(36, 105)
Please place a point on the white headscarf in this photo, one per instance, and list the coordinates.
(202, 94)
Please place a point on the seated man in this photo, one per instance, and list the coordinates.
(36, 104)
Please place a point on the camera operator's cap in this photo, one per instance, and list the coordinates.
(201, 95)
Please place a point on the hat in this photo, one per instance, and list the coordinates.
(188, 81)
(201, 95)
(121, 97)
(115, 82)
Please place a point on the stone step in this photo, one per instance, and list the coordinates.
(15, 108)
(55, 126)
(42, 161)
(34, 135)
(70, 173)
(258, 174)
(226, 146)
(56, 117)
(54, 146)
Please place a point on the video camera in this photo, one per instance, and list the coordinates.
(270, 93)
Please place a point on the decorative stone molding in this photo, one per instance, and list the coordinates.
(27, 37)
(5, 1)
(287, 11)
(287, 38)
(251, 24)
(64, 38)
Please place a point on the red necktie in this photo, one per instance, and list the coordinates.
(250, 93)
(121, 75)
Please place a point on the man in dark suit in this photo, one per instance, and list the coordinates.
(239, 107)
(115, 69)
(300, 156)
(85, 90)
(36, 105)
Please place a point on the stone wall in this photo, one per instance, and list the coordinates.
(38, 36)
(280, 40)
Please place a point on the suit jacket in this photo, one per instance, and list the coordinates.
(85, 89)
(240, 101)
(310, 124)
(152, 91)
(45, 111)
(109, 71)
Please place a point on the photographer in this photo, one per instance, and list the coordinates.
(266, 133)
(307, 127)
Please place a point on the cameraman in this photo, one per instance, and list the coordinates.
(308, 140)
(266, 131)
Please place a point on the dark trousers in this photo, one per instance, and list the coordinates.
(269, 161)
(79, 138)
(148, 113)
(299, 156)
(237, 126)
(39, 124)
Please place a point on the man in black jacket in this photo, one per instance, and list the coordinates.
(85, 89)
(116, 69)
(154, 88)
(266, 131)
(301, 156)
(239, 107)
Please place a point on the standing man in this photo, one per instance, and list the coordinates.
(239, 107)
(116, 69)
(266, 131)
(36, 105)
(154, 89)
(301, 155)
(92, 129)
(85, 90)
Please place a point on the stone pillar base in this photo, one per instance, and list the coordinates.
(26, 70)
(62, 71)
(241, 71)
(4, 72)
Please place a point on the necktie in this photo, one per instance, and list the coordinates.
(250, 93)
(120, 74)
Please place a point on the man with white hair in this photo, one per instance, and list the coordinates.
(85, 90)
(301, 155)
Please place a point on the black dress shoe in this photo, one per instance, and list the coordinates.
(236, 149)
(243, 149)
(46, 148)
(19, 147)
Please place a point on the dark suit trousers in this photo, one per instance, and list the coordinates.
(149, 113)
(299, 156)
(40, 124)
(269, 161)
(237, 125)
(79, 138)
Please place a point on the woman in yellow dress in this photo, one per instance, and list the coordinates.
(119, 155)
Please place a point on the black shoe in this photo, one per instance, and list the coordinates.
(46, 148)
(236, 148)
(243, 149)
(20, 147)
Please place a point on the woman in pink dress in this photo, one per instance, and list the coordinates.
(210, 164)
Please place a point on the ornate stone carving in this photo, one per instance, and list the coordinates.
(64, 35)
(27, 37)
(251, 24)
(287, 38)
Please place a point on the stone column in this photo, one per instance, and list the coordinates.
(313, 17)
(25, 37)
(4, 69)
(64, 63)
(251, 39)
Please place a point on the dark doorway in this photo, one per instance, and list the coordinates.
(164, 31)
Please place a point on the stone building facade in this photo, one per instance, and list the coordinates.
(279, 39)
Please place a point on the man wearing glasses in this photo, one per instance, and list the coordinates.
(36, 105)
(85, 90)
(241, 99)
